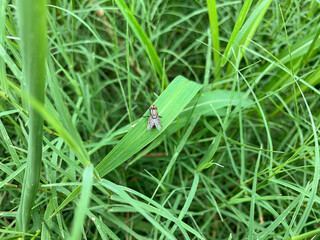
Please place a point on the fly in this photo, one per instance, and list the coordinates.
(154, 119)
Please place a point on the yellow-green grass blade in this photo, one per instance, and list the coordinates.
(242, 15)
(206, 160)
(32, 22)
(71, 141)
(247, 32)
(3, 78)
(307, 235)
(60, 121)
(69, 199)
(214, 26)
(170, 103)
(17, 233)
(312, 80)
(143, 38)
(83, 203)
(282, 77)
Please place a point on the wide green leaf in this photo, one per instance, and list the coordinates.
(170, 103)
(33, 32)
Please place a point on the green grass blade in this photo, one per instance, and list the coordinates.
(189, 199)
(70, 198)
(177, 151)
(10, 149)
(206, 160)
(242, 15)
(83, 203)
(11, 175)
(170, 103)
(32, 20)
(64, 115)
(316, 159)
(207, 74)
(3, 78)
(248, 30)
(143, 38)
(103, 229)
(214, 25)
(47, 223)
(219, 99)
(17, 233)
(252, 234)
(10, 63)
(49, 116)
(138, 206)
(153, 206)
(279, 219)
(313, 79)
(307, 235)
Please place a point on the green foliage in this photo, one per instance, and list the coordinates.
(236, 85)
(170, 103)
(32, 25)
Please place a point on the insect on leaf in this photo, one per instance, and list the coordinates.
(170, 103)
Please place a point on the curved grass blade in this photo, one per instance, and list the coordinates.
(242, 15)
(83, 203)
(170, 103)
(248, 30)
(64, 115)
(143, 38)
(150, 206)
(139, 207)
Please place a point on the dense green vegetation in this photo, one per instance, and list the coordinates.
(236, 85)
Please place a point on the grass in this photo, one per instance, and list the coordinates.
(236, 84)
(32, 22)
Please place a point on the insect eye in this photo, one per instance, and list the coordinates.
(156, 107)
(151, 107)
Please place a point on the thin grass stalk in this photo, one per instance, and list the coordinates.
(143, 38)
(83, 204)
(214, 25)
(128, 75)
(3, 78)
(32, 24)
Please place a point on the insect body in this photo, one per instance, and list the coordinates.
(154, 118)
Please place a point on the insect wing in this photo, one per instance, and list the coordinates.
(157, 123)
(154, 122)
(150, 123)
